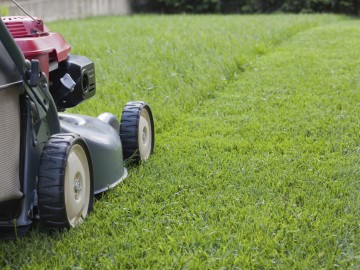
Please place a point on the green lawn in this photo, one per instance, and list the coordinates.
(257, 155)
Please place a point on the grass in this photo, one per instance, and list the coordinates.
(256, 163)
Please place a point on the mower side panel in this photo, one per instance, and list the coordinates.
(13, 194)
(10, 191)
(104, 146)
(32, 126)
(16, 212)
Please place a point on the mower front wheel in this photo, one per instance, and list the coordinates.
(65, 184)
(137, 131)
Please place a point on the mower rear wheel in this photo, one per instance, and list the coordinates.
(65, 185)
(137, 131)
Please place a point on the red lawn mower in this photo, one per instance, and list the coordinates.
(52, 163)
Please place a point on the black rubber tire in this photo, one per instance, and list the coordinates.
(129, 131)
(51, 182)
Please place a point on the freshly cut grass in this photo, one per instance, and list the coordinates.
(257, 146)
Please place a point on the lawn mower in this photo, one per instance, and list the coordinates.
(53, 163)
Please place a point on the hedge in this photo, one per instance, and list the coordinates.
(248, 6)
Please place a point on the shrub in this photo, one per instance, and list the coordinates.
(248, 6)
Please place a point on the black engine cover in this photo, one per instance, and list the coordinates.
(82, 72)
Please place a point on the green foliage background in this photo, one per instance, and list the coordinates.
(4, 11)
(250, 6)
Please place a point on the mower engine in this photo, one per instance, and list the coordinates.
(71, 77)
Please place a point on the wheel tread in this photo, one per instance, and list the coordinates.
(129, 129)
(50, 187)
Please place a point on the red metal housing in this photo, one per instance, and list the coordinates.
(36, 42)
